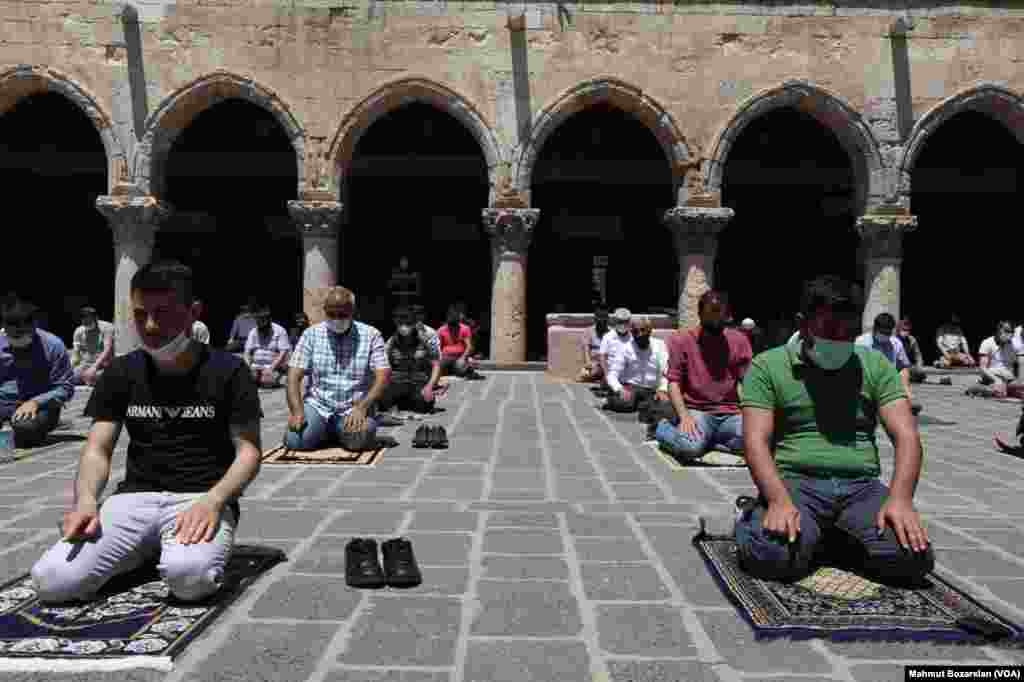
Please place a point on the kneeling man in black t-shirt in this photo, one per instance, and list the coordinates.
(193, 417)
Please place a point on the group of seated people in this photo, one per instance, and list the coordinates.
(193, 419)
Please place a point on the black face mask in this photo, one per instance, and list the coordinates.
(715, 328)
(601, 325)
(643, 341)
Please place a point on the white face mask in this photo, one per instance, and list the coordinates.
(405, 329)
(339, 326)
(170, 352)
(20, 341)
(622, 329)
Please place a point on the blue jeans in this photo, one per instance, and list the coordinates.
(713, 430)
(321, 433)
(837, 518)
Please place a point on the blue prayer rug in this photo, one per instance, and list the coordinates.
(133, 622)
(839, 605)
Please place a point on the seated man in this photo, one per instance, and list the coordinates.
(92, 348)
(997, 359)
(637, 376)
(613, 341)
(952, 345)
(267, 349)
(415, 367)
(193, 418)
(200, 332)
(592, 369)
(881, 339)
(35, 376)
(916, 371)
(705, 368)
(815, 461)
(348, 371)
(240, 329)
(456, 346)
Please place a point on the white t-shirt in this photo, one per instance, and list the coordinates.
(89, 343)
(999, 357)
(612, 343)
(637, 367)
(265, 350)
(893, 351)
(200, 332)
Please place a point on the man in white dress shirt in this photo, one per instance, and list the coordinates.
(636, 375)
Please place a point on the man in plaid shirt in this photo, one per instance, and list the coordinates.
(348, 371)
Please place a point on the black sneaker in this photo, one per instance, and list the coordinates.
(400, 564)
(362, 567)
(389, 420)
(423, 436)
(946, 381)
(440, 439)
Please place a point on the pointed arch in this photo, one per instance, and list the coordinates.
(24, 80)
(989, 98)
(828, 109)
(603, 89)
(395, 94)
(182, 106)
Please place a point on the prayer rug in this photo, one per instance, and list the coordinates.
(332, 456)
(133, 623)
(839, 605)
(52, 441)
(714, 458)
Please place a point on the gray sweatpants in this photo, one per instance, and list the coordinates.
(135, 528)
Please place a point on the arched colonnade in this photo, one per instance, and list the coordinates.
(135, 206)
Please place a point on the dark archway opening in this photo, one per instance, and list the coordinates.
(793, 188)
(602, 184)
(230, 175)
(417, 188)
(59, 250)
(965, 191)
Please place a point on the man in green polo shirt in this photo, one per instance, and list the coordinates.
(810, 411)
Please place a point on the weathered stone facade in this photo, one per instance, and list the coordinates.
(882, 79)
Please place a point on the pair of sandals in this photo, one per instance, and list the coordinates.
(428, 436)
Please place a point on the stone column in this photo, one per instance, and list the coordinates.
(317, 223)
(882, 251)
(511, 230)
(134, 221)
(695, 231)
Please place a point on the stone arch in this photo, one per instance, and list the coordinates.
(620, 94)
(181, 107)
(828, 109)
(21, 81)
(988, 98)
(395, 94)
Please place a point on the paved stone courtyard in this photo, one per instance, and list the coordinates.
(555, 547)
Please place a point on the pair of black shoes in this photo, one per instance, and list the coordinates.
(363, 569)
(428, 436)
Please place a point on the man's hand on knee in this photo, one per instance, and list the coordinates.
(79, 525)
(198, 523)
(782, 519)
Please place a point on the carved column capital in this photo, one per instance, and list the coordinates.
(317, 219)
(511, 229)
(696, 229)
(882, 234)
(134, 217)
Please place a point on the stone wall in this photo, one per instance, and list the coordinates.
(692, 71)
(695, 73)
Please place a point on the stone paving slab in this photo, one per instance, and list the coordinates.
(555, 546)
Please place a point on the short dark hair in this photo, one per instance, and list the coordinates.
(401, 312)
(259, 308)
(18, 312)
(832, 291)
(711, 296)
(165, 275)
(885, 321)
(87, 310)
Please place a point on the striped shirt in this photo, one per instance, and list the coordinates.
(340, 366)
